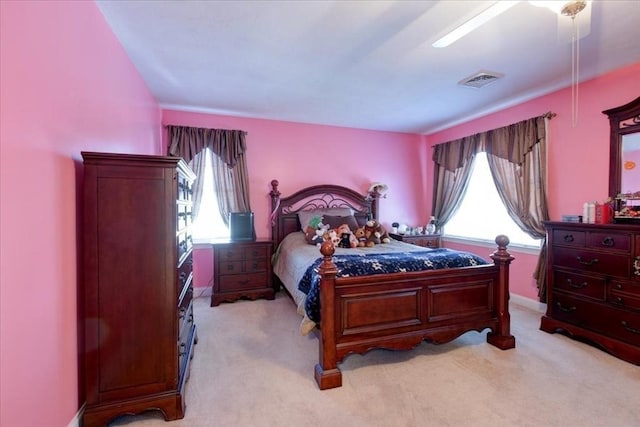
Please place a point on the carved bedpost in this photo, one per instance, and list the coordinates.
(327, 373)
(275, 204)
(502, 337)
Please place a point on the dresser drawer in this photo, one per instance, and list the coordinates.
(243, 281)
(630, 288)
(569, 237)
(625, 295)
(593, 262)
(601, 318)
(185, 319)
(609, 241)
(185, 272)
(588, 286)
(579, 312)
(623, 325)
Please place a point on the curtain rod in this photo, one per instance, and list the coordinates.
(198, 127)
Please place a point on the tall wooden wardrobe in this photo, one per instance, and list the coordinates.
(137, 285)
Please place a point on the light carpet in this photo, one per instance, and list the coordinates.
(253, 368)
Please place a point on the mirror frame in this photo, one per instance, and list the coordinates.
(623, 120)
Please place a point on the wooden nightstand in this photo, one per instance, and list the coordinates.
(241, 269)
(425, 240)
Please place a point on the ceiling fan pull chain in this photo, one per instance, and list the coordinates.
(575, 67)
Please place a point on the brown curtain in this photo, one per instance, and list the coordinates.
(226, 149)
(517, 159)
(453, 162)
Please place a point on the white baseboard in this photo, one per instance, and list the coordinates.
(75, 422)
(528, 303)
(202, 292)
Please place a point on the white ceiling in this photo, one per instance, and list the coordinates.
(362, 64)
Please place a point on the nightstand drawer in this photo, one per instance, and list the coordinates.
(230, 253)
(231, 267)
(243, 281)
(259, 252)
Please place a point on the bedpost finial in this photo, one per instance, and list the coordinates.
(274, 187)
(327, 249)
(502, 254)
(502, 241)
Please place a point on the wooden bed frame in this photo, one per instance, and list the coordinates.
(394, 311)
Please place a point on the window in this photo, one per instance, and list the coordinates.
(481, 214)
(209, 224)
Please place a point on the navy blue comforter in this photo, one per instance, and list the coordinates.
(369, 264)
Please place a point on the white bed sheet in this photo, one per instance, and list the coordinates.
(294, 256)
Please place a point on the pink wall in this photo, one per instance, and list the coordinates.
(578, 157)
(67, 85)
(299, 155)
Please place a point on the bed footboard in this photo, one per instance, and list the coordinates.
(398, 311)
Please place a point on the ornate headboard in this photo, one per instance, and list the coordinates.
(284, 210)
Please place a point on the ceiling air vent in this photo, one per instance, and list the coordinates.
(480, 79)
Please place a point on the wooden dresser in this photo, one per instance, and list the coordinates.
(137, 289)
(594, 285)
(426, 240)
(241, 269)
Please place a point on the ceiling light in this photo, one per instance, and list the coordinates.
(570, 9)
(496, 9)
(562, 7)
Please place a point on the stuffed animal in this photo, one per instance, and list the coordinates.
(316, 231)
(375, 233)
(360, 236)
(347, 238)
(332, 236)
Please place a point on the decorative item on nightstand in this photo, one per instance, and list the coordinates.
(241, 226)
(431, 227)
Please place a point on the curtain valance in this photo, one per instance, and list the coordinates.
(187, 142)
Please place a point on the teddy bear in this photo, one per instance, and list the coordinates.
(360, 236)
(375, 233)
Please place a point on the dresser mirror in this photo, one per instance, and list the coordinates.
(624, 158)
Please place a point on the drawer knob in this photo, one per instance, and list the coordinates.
(629, 328)
(568, 238)
(591, 262)
(636, 266)
(183, 312)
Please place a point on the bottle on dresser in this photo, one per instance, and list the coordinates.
(589, 212)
